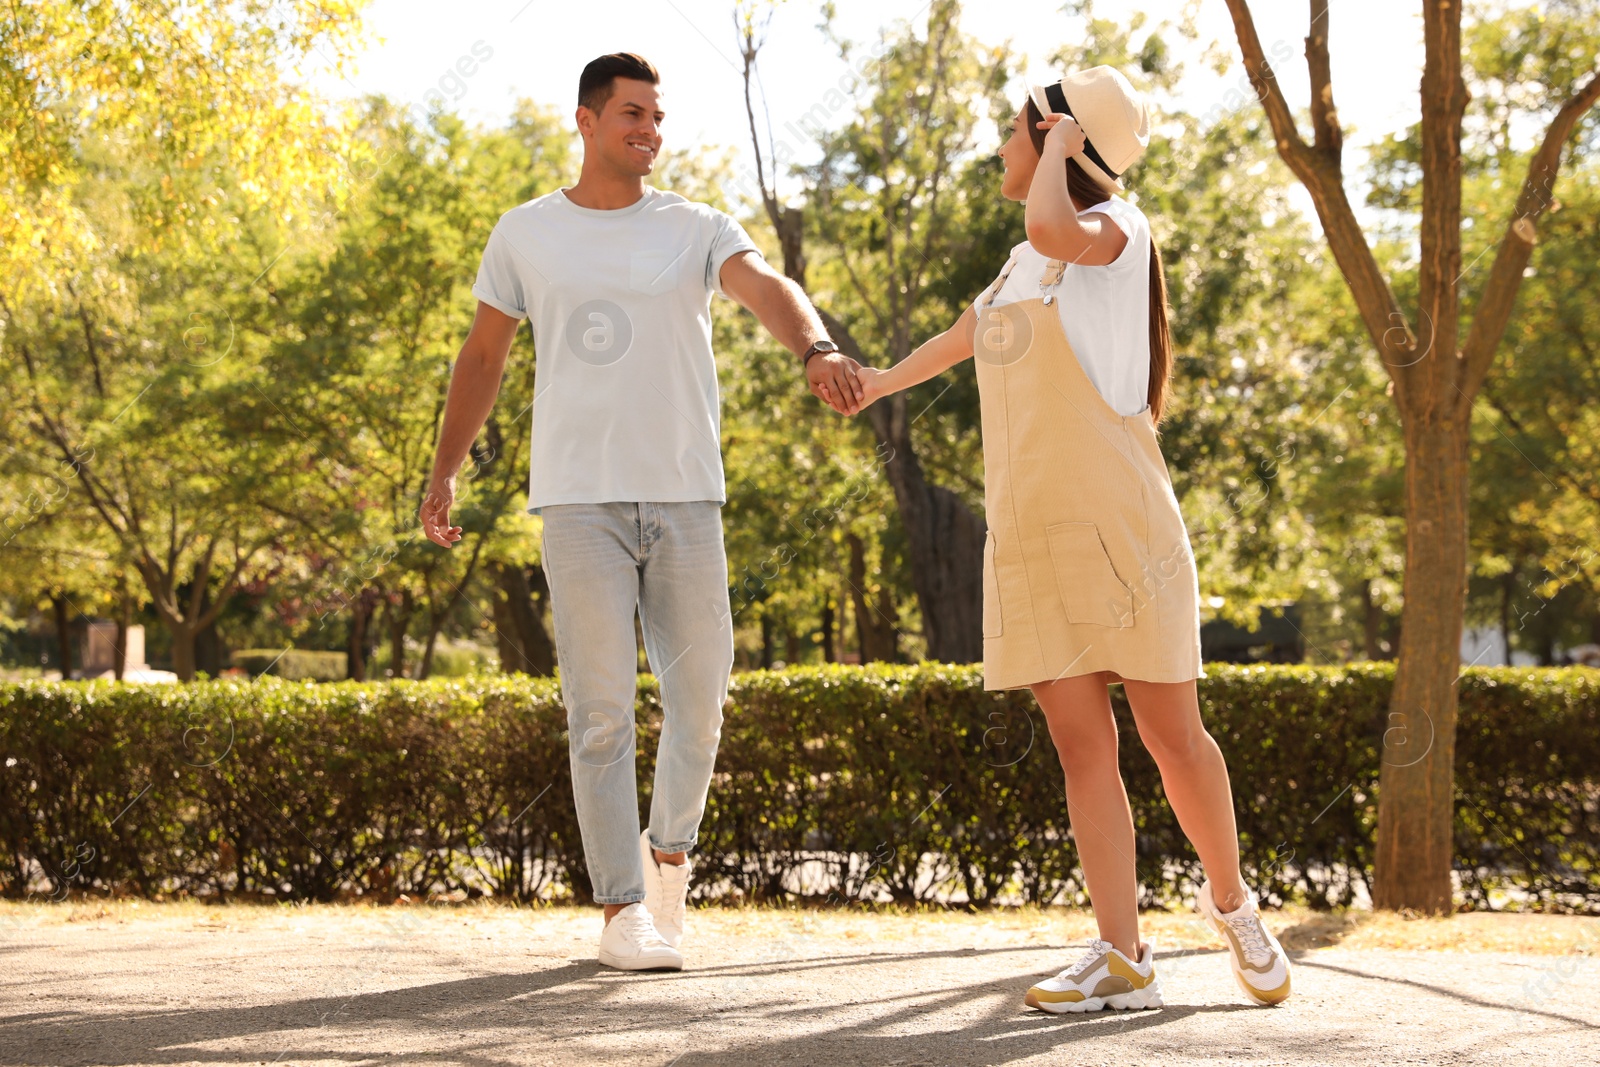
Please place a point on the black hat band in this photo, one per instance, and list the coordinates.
(1058, 102)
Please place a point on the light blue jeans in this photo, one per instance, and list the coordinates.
(604, 561)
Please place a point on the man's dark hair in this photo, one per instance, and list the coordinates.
(594, 84)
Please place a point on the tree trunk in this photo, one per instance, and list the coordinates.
(183, 635)
(889, 616)
(355, 652)
(425, 665)
(766, 641)
(827, 629)
(1435, 381)
(124, 621)
(399, 620)
(946, 542)
(505, 647)
(63, 634)
(944, 536)
(1507, 585)
(1416, 784)
(1372, 621)
(207, 643)
(528, 644)
(208, 650)
(875, 623)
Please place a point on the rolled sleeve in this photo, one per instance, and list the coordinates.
(728, 240)
(500, 283)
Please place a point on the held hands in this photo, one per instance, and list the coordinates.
(870, 387)
(837, 380)
(1063, 134)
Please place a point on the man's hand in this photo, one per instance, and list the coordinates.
(835, 379)
(435, 513)
(474, 383)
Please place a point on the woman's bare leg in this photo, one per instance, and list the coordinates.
(1195, 778)
(1078, 711)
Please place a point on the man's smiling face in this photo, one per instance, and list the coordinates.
(626, 134)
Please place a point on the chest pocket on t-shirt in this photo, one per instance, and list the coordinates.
(656, 271)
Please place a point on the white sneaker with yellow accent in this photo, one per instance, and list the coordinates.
(1260, 966)
(1102, 978)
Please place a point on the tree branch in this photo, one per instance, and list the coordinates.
(1265, 82)
(1319, 169)
(229, 584)
(1324, 116)
(1435, 371)
(201, 579)
(1516, 244)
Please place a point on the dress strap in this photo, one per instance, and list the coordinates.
(1050, 280)
(1054, 271)
(999, 283)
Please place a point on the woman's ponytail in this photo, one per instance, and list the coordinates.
(1086, 189)
(1160, 338)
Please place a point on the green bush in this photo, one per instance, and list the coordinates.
(908, 781)
(460, 660)
(297, 664)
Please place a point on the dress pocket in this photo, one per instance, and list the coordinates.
(656, 270)
(1090, 590)
(991, 591)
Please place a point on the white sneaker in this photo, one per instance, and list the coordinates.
(666, 889)
(1260, 966)
(630, 942)
(1102, 978)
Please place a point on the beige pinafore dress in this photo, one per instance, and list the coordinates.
(1087, 566)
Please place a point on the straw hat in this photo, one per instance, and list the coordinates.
(1112, 113)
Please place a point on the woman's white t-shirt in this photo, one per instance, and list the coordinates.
(1105, 310)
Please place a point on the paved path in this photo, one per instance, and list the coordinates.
(486, 986)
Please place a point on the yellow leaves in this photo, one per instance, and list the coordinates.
(177, 88)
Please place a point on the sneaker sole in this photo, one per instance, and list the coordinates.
(1278, 996)
(1138, 1000)
(621, 964)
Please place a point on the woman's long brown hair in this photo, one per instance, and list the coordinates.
(1086, 189)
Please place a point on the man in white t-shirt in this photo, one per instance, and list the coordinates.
(616, 279)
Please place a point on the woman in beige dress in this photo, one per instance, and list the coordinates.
(1088, 574)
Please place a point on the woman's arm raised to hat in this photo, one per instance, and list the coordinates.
(1055, 228)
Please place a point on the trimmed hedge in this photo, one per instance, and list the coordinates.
(846, 782)
(296, 664)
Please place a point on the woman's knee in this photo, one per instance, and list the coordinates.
(1176, 740)
(1081, 725)
(1088, 755)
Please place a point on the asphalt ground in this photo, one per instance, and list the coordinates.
(185, 983)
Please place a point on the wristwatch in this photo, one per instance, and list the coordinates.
(823, 345)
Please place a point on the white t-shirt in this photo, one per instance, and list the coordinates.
(1105, 310)
(625, 401)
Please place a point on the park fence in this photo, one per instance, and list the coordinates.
(834, 784)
